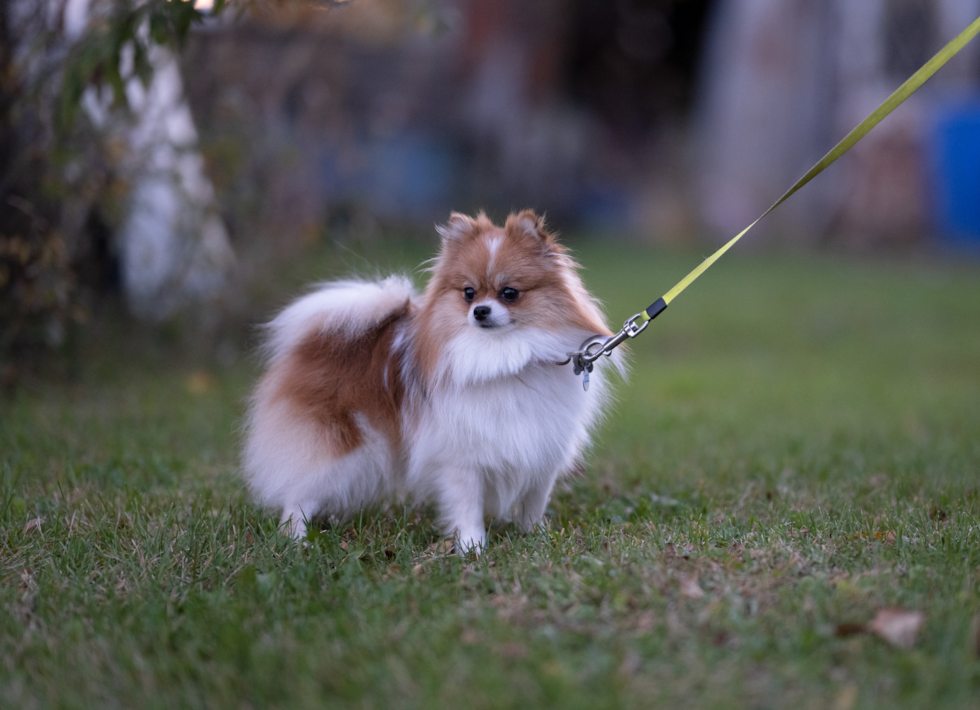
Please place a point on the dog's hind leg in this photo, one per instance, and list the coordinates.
(529, 511)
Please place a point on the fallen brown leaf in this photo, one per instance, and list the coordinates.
(690, 587)
(200, 382)
(33, 524)
(513, 650)
(440, 547)
(849, 629)
(898, 627)
(630, 665)
(644, 622)
(846, 697)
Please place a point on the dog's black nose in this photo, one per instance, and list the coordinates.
(481, 312)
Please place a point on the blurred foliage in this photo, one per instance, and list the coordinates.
(60, 187)
(122, 34)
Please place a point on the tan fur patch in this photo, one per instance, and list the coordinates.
(329, 379)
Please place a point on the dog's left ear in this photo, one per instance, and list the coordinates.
(528, 224)
(459, 227)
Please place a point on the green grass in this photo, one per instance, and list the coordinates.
(800, 435)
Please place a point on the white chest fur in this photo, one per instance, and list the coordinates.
(509, 432)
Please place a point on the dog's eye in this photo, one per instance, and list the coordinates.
(469, 294)
(509, 294)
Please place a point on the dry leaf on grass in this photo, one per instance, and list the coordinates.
(630, 665)
(849, 628)
(898, 627)
(846, 697)
(513, 650)
(644, 622)
(440, 547)
(886, 536)
(690, 587)
(33, 524)
(470, 637)
(200, 382)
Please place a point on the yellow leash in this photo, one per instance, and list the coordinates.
(593, 348)
(890, 104)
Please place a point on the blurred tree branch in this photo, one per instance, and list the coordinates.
(59, 185)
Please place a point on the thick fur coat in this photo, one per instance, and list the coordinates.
(455, 396)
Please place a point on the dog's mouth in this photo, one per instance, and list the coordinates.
(490, 325)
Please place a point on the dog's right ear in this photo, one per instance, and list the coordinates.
(459, 226)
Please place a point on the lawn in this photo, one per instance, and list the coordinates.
(797, 449)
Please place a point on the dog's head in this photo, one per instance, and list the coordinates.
(499, 297)
(499, 279)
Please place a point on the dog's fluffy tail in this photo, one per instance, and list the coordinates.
(288, 460)
(346, 308)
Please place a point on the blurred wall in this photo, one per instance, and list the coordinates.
(784, 80)
(664, 118)
(380, 112)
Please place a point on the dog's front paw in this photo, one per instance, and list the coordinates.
(472, 544)
(293, 523)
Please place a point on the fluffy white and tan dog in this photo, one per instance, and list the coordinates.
(455, 397)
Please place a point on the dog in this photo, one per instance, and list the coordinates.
(456, 397)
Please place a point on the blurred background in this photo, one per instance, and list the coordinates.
(163, 159)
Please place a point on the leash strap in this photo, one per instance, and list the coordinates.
(890, 104)
(593, 348)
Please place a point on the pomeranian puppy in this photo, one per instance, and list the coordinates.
(456, 397)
